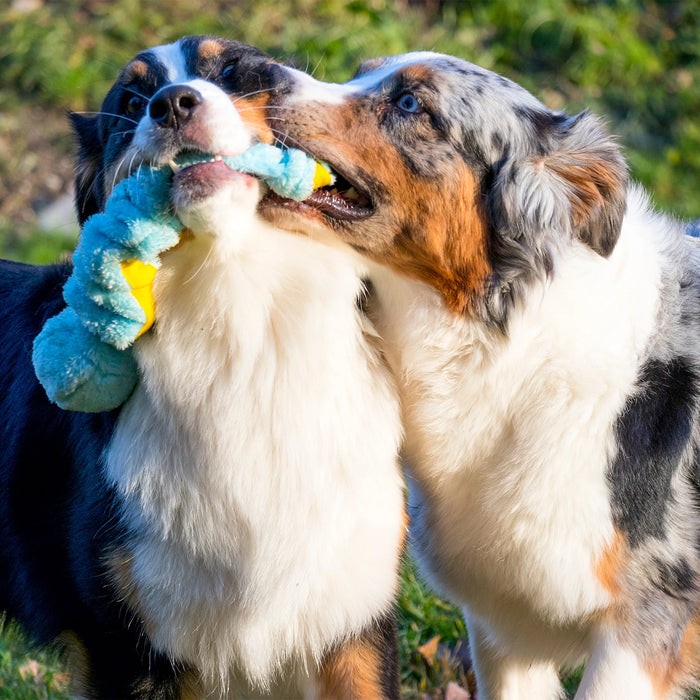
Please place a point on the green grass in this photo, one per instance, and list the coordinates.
(40, 248)
(426, 618)
(27, 673)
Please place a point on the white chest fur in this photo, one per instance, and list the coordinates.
(509, 437)
(257, 459)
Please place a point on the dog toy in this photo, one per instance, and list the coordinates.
(82, 356)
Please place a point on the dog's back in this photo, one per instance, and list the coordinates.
(56, 510)
(36, 468)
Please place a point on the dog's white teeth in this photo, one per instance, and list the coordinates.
(351, 194)
(174, 167)
(217, 158)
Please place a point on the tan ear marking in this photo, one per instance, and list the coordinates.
(209, 48)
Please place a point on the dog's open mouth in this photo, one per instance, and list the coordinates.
(198, 176)
(342, 200)
(188, 158)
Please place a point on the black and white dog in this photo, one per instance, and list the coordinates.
(234, 530)
(544, 326)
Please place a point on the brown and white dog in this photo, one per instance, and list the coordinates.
(544, 326)
(234, 530)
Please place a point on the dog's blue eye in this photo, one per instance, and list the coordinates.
(408, 103)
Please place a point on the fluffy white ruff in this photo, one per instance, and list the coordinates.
(257, 458)
(508, 438)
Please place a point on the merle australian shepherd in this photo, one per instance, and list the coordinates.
(234, 529)
(543, 323)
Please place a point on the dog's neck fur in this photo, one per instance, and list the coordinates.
(243, 451)
(499, 426)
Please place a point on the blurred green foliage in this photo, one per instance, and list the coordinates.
(635, 62)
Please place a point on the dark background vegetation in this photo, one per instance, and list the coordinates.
(637, 63)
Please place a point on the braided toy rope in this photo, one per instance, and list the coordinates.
(82, 356)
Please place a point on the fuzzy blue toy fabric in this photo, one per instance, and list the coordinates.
(82, 356)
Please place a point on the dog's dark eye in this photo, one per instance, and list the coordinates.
(134, 105)
(229, 75)
(408, 103)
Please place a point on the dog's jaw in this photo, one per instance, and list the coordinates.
(473, 206)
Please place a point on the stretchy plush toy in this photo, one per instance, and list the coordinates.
(82, 357)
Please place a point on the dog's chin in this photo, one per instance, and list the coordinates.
(212, 199)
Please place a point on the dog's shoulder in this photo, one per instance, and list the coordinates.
(52, 498)
(29, 294)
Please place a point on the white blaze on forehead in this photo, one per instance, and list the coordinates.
(390, 65)
(335, 93)
(313, 90)
(173, 60)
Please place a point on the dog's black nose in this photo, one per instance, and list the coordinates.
(173, 105)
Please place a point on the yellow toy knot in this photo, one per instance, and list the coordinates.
(139, 277)
(322, 176)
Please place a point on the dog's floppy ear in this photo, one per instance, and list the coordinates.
(88, 166)
(575, 184)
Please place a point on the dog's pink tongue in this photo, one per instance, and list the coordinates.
(203, 180)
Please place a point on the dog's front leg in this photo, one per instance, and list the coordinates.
(503, 676)
(614, 671)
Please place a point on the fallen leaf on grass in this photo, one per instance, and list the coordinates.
(429, 650)
(456, 692)
(31, 670)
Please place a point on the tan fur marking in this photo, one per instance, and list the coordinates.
(596, 190)
(78, 663)
(351, 673)
(119, 565)
(609, 565)
(443, 238)
(672, 674)
(591, 179)
(253, 111)
(190, 686)
(210, 48)
(404, 530)
(452, 252)
(136, 69)
(418, 73)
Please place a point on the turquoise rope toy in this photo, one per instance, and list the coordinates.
(82, 356)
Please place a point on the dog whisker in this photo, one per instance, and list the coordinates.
(248, 95)
(320, 60)
(133, 91)
(199, 269)
(109, 114)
